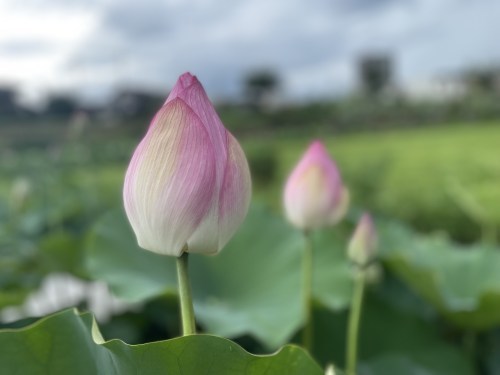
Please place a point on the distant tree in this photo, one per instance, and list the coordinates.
(485, 80)
(136, 103)
(8, 105)
(260, 86)
(375, 73)
(61, 106)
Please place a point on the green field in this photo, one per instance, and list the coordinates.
(435, 178)
(445, 177)
(435, 296)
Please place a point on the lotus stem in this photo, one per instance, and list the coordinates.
(307, 281)
(354, 321)
(185, 296)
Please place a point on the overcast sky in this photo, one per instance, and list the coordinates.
(96, 46)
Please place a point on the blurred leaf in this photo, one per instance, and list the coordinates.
(19, 271)
(70, 343)
(252, 286)
(466, 201)
(61, 252)
(13, 297)
(392, 341)
(490, 353)
(394, 364)
(131, 273)
(463, 283)
(332, 270)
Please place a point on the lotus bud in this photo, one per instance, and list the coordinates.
(314, 194)
(188, 184)
(20, 192)
(363, 243)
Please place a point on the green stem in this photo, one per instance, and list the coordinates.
(354, 320)
(307, 270)
(186, 300)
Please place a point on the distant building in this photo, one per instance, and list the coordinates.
(437, 90)
(484, 81)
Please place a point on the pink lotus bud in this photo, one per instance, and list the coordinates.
(188, 182)
(314, 194)
(363, 242)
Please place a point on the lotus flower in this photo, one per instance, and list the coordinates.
(363, 242)
(188, 184)
(314, 194)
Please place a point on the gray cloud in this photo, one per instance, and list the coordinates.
(150, 42)
(131, 19)
(25, 47)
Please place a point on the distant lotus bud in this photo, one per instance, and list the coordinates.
(314, 194)
(20, 192)
(363, 243)
(188, 182)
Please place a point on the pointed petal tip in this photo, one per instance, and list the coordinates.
(317, 144)
(186, 79)
(366, 222)
(184, 83)
(317, 151)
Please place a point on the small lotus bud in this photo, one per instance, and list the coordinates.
(363, 243)
(20, 192)
(188, 182)
(314, 194)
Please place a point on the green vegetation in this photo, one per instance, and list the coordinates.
(435, 310)
(74, 345)
(429, 178)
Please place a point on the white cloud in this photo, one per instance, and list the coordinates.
(97, 45)
(34, 45)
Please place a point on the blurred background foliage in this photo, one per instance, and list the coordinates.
(427, 167)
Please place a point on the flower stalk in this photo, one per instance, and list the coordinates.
(361, 252)
(307, 281)
(354, 323)
(185, 296)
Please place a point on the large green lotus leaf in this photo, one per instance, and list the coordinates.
(462, 282)
(70, 343)
(253, 286)
(133, 274)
